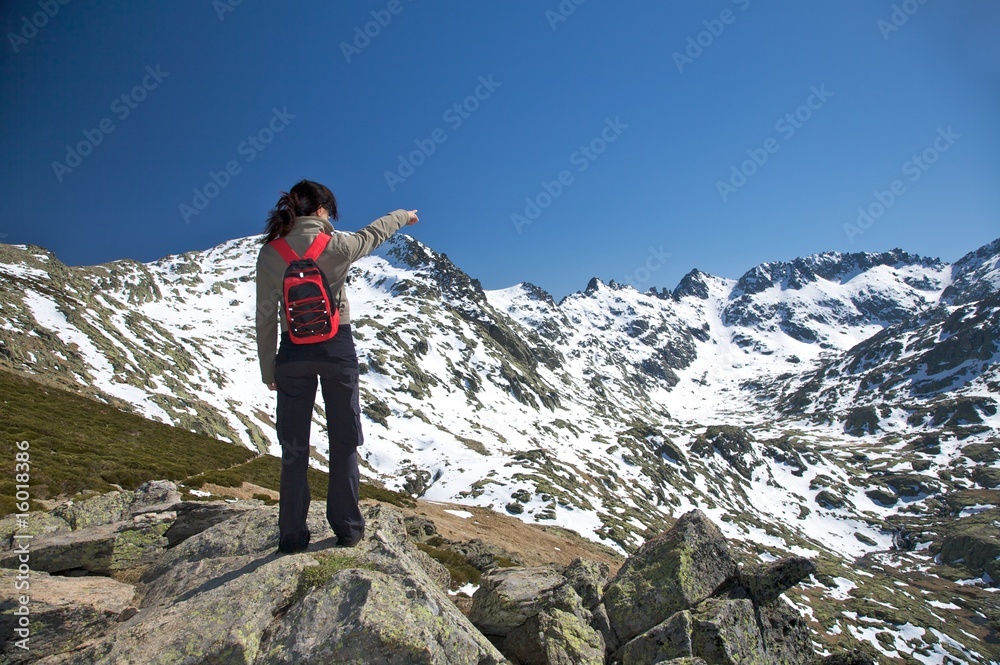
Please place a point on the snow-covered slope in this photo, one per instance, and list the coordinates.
(792, 404)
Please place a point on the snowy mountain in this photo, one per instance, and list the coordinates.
(826, 406)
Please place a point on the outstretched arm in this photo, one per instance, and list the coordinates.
(363, 242)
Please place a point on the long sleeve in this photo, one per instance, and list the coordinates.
(268, 294)
(362, 243)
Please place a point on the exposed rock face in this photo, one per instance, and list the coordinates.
(669, 573)
(733, 444)
(223, 594)
(65, 611)
(680, 599)
(220, 593)
(554, 637)
(508, 597)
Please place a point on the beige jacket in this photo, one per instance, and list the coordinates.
(343, 250)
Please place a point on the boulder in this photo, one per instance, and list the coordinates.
(65, 612)
(96, 511)
(366, 616)
(725, 632)
(785, 634)
(196, 516)
(665, 641)
(508, 597)
(588, 579)
(764, 583)
(882, 496)
(554, 637)
(204, 624)
(98, 549)
(785, 637)
(34, 524)
(602, 624)
(671, 572)
(720, 631)
(226, 595)
(155, 493)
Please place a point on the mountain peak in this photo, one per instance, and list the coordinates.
(692, 284)
(832, 266)
(537, 293)
(407, 252)
(975, 276)
(593, 286)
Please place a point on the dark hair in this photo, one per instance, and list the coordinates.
(304, 199)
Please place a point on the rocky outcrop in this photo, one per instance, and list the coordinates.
(973, 542)
(64, 612)
(217, 591)
(680, 599)
(223, 594)
(734, 444)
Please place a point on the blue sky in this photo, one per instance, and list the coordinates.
(546, 142)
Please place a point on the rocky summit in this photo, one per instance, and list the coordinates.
(838, 407)
(143, 577)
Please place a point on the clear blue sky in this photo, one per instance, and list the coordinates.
(199, 78)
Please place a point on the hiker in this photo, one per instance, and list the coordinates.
(300, 217)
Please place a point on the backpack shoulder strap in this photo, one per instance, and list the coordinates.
(282, 247)
(317, 247)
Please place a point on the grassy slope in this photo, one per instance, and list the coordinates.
(78, 445)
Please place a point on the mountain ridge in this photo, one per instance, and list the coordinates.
(786, 414)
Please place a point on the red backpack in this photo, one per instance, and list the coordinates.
(309, 308)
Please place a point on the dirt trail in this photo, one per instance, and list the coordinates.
(534, 544)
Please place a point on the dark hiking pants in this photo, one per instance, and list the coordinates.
(298, 372)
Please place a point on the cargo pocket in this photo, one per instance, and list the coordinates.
(342, 399)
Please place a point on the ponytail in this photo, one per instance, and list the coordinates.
(304, 199)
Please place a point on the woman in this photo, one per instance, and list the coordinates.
(299, 217)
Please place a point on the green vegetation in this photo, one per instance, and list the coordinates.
(79, 444)
(462, 572)
(266, 498)
(330, 563)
